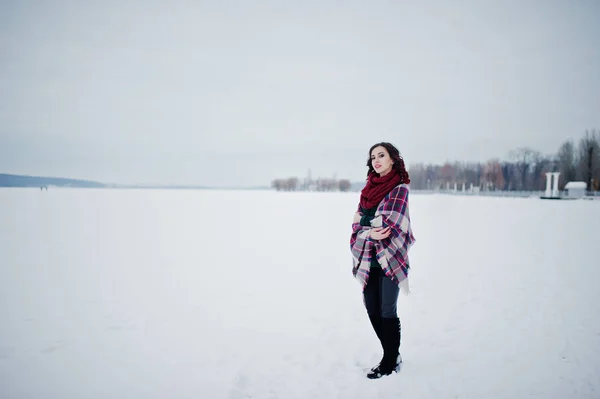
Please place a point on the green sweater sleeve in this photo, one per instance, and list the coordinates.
(368, 216)
(366, 220)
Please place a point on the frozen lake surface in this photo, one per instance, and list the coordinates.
(249, 294)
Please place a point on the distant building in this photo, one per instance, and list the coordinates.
(575, 189)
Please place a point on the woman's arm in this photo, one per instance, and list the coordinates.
(395, 211)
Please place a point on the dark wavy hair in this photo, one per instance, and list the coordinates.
(396, 158)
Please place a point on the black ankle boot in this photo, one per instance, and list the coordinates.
(391, 349)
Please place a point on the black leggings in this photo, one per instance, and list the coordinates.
(381, 295)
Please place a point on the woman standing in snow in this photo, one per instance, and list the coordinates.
(380, 240)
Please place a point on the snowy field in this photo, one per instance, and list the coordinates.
(248, 294)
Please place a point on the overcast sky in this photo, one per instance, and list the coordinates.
(238, 93)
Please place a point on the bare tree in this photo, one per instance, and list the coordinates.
(509, 176)
(292, 183)
(460, 172)
(433, 176)
(566, 164)
(523, 158)
(277, 184)
(492, 175)
(289, 184)
(447, 173)
(589, 157)
(418, 176)
(326, 184)
(345, 185)
(540, 164)
(473, 174)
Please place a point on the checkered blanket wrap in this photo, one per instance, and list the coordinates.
(391, 252)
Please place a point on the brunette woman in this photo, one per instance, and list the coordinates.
(381, 238)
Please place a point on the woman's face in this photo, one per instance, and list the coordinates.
(381, 161)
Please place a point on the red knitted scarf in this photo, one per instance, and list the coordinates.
(378, 187)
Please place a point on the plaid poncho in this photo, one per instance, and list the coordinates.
(391, 252)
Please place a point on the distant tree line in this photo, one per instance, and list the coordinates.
(525, 170)
(294, 184)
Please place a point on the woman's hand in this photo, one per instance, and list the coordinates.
(379, 233)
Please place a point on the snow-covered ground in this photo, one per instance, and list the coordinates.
(249, 294)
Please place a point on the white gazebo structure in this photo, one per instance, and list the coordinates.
(576, 189)
(552, 186)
